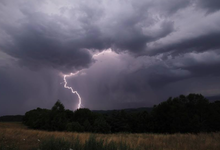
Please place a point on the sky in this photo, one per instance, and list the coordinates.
(128, 53)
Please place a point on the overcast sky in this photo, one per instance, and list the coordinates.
(129, 53)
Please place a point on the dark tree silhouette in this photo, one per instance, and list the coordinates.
(184, 114)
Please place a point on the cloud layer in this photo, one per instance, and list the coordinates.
(155, 50)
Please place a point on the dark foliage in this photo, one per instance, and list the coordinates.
(17, 118)
(184, 114)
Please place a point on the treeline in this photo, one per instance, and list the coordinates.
(184, 114)
(10, 118)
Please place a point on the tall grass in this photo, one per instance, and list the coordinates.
(52, 143)
(6, 146)
(15, 135)
(92, 143)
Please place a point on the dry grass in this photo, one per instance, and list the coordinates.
(18, 135)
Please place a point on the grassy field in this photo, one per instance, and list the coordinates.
(17, 136)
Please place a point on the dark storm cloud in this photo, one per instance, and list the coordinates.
(170, 7)
(22, 89)
(38, 39)
(161, 46)
(210, 5)
(42, 45)
(135, 41)
(198, 44)
(205, 70)
(54, 40)
(200, 64)
(184, 66)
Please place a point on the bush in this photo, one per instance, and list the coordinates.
(75, 126)
(101, 126)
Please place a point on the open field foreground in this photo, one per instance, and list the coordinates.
(17, 136)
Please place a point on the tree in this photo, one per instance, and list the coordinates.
(75, 126)
(192, 113)
(87, 126)
(58, 106)
(181, 114)
(58, 117)
(101, 126)
(82, 114)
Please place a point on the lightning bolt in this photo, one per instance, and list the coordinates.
(70, 88)
(73, 74)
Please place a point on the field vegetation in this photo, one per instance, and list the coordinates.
(183, 123)
(16, 136)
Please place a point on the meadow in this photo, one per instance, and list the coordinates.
(16, 136)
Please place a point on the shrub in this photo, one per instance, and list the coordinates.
(75, 126)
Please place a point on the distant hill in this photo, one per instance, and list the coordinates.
(213, 98)
(18, 118)
(11, 118)
(128, 110)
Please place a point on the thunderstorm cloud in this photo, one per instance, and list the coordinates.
(129, 53)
